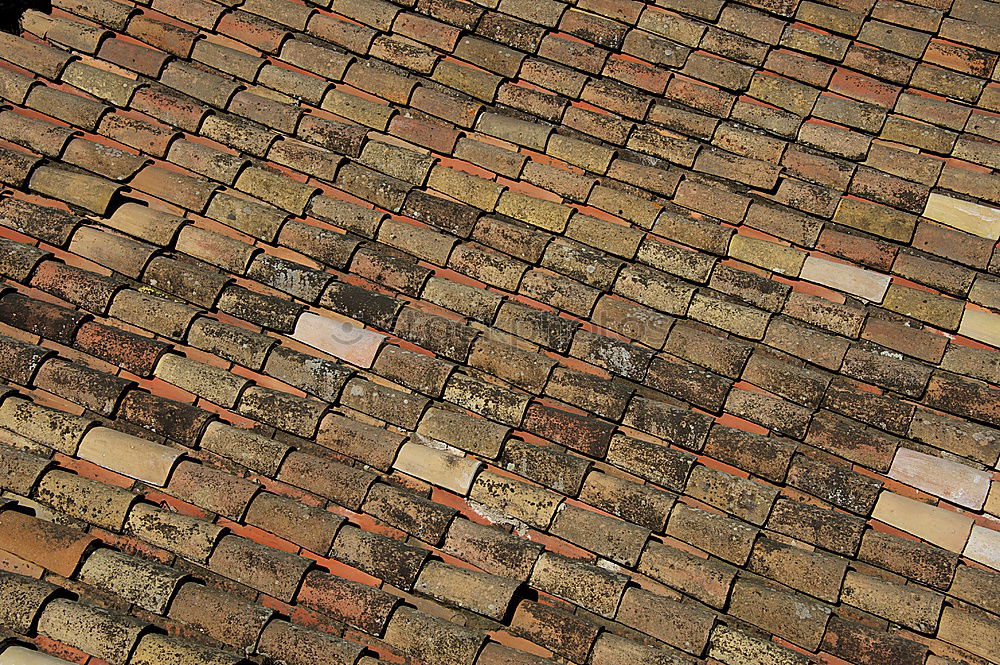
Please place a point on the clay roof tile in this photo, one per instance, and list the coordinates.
(380, 556)
(224, 617)
(300, 645)
(154, 648)
(364, 607)
(21, 599)
(275, 573)
(774, 356)
(42, 137)
(178, 422)
(20, 361)
(433, 640)
(187, 536)
(53, 546)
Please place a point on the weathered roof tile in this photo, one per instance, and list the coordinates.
(344, 485)
(103, 633)
(383, 557)
(21, 599)
(221, 616)
(317, 376)
(555, 628)
(298, 644)
(20, 361)
(53, 546)
(275, 573)
(589, 586)
(848, 269)
(404, 510)
(297, 415)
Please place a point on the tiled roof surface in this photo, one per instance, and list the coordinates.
(504, 332)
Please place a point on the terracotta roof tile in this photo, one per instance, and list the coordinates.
(452, 472)
(41, 318)
(20, 360)
(205, 160)
(123, 255)
(477, 435)
(183, 279)
(56, 429)
(309, 527)
(34, 56)
(345, 485)
(74, 109)
(129, 455)
(404, 510)
(645, 611)
(102, 633)
(420, 635)
(818, 574)
(302, 645)
(277, 574)
(811, 361)
(912, 607)
(54, 546)
(147, 584)
(380, 556)
(104, 505)
(491, 401)
(185, 535)
(221, 616)
(21, 599)
(762, 605)
(589, 586)
(497, 653)
(479, 592)
(837, 532)
(211, 489)
(258, 308)
(246, 447)
(90, 388)
(587, 435)
(46, 138)
(974, 585)
(555, 628)
(297, 415)
(134, 131)
(132, 352)
(844, 636)
(611, 649)
(733, 643)
(836, 484)
(617, 540)
(157, 648)
(212, 383)
(547, 465)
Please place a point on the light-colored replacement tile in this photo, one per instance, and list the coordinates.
(952, 481)
(348, 342)
(941, 527)
(128, 455)
(981, 326)
(993, 501)
(984, 546)
(847, 278)
(17, 655)
(972, 218)
(451, 471)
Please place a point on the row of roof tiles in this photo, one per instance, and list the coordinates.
(725, 644)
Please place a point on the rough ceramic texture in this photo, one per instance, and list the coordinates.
(500, 332)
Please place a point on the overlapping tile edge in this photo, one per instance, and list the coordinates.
(509, 332)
